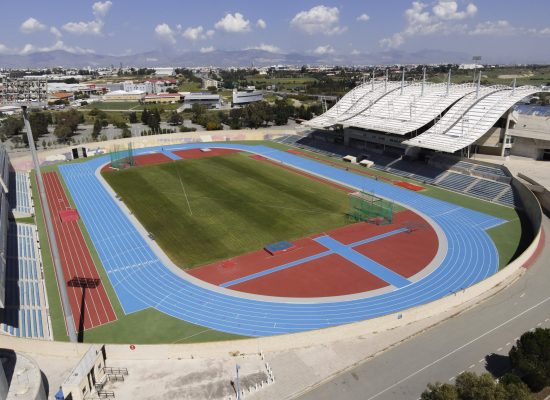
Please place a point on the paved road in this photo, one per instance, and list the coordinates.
(475, 341)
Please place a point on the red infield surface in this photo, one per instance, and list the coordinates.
(328, 276)
(145, 159)
(331, 275)
(404, 253)
(77, 262)
(197, 153)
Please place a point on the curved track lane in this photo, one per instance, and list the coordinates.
(141, 280)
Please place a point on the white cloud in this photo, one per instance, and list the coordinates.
(56, 32)
(32, 25)
(58, 45)
(420, 20)
(501, 27)
(194, 33)
(261, 24)
(545, 31)
(448, 10)
(164, 32)
(234, 23)
(322, 50)
(101, 9)
(319, 19)
(355, 52)
(4, 49)
(363, 17)
(265, 47)
(208, 49)
(84, 28)
(210, 33)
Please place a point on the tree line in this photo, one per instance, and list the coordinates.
(529, 373)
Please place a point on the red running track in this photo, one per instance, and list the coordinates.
(76, 261)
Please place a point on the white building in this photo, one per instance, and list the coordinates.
(165, 71)
(209, 100)
(249, 95)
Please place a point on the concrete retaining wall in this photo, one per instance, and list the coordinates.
(453, 303)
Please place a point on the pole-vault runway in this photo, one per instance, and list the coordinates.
(141, 280)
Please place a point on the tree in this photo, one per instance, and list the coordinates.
(11, 126)
(440, 391)
(39, 124)
(126, 132)
(144, 116)
(133, 118)
(469, 386)
(97, 129)
(175, 118)
(473, 387)
(153, 119)
(530, 358)
(63, 132)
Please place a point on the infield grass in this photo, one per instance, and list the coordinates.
(209, 209)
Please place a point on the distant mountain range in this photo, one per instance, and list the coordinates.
(219, 58)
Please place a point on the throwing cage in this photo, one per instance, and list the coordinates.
(369, 208)
(122, 158)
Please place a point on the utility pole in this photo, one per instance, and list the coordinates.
(61, 282)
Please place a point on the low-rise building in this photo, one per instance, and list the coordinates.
(209, 100)
(63, 96)
(163, 98)
(121, 95)
(249, 95)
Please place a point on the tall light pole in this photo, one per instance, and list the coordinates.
(476, 60)
(61, 283)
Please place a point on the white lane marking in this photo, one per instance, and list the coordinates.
(522, 295)
(472, 366)
(459, 348)
(499, 349)
(508, 344)
(480, 361)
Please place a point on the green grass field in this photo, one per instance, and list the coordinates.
(145, 327)
(210, 209)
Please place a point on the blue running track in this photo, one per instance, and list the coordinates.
(141, 280)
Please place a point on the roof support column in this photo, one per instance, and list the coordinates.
(386, 82)
(478, 84)
(402, 79)
(372, 80)
(423, 80)
(448, 81)
(505, 137)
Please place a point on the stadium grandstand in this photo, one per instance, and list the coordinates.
(442, 117)
(425, 131)
(23, 306)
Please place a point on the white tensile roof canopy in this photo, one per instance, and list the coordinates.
(461, 113)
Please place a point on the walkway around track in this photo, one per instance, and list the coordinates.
(141, 280)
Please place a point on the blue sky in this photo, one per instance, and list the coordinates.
(492, 28)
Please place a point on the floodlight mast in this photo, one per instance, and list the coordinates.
(69, 320)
